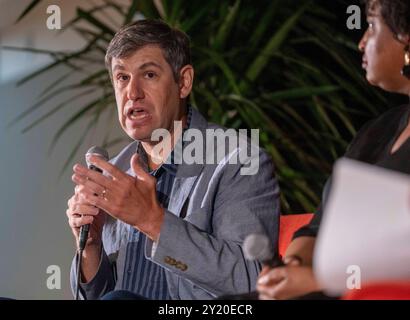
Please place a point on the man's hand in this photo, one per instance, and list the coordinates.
(131, 200)
(80, 213)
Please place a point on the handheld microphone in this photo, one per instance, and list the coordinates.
(259, 247)
(98, 151)
(256, 247)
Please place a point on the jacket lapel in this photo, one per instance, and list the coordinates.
(187, 174)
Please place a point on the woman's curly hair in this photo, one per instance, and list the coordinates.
(396, 14)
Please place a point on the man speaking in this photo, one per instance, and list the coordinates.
(160, 228)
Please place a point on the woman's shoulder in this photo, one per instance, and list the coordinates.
(388, 120)
(393, 114)
(376, 133)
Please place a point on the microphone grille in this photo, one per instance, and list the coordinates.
(97, 151)
(257, 247)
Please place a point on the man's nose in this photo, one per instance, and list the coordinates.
(362, 43)
(135, 90)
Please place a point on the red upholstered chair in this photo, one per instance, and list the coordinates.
(392, 290)
(288, 225)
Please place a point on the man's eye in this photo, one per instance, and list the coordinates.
(122, 77)
(150, 75)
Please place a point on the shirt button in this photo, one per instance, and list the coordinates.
(129, 271)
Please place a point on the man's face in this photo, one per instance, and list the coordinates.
(147, 95)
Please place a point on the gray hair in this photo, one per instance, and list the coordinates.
(132, 37)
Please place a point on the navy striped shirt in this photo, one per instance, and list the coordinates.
(142, 276)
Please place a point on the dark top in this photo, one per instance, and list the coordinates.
(372, 144)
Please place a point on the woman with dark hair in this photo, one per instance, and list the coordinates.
(383, 142)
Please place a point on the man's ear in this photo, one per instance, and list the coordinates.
(186, 79)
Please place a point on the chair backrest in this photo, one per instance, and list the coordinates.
(289, 224)
(391, 290)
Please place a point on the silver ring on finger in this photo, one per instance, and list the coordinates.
(104, 194)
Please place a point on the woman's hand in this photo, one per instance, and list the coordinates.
(286, 282)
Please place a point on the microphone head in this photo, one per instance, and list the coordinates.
(257, 247)
(98, 151)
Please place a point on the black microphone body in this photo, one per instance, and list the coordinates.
(84, 230)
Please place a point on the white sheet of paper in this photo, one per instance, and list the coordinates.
(365, 231)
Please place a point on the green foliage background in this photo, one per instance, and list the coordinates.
(288, 67)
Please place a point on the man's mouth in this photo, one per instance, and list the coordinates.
(137, 114)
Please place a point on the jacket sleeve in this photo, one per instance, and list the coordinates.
(243, 204)
(102, 283)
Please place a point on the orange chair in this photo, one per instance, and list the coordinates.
(289, 224)
(392, 290)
